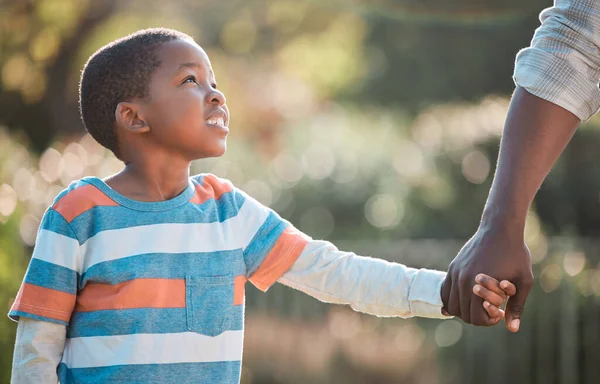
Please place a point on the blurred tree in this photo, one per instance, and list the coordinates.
(39, 41)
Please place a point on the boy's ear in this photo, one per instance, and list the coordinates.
(128, 117)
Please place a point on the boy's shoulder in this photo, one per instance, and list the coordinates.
(79, 196)
(74, 185)
(209, 180)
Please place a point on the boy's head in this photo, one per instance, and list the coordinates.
(154, 90)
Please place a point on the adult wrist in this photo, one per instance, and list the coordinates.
(503, 221)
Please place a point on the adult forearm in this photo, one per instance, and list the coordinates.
(535, 134)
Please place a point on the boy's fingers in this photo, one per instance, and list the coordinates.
(488, 295)
(493, 320)
(491, 284)
(509, 288)
(493, 311)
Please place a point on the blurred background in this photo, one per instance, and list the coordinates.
(372, 124)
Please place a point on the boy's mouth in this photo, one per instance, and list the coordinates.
(216, 121)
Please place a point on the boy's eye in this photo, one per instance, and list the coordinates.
(189, 79)
(214, 85)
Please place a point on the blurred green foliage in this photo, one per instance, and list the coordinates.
(12, 267)
(395, 53)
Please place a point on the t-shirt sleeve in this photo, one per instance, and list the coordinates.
(274, 244)
(48, 291)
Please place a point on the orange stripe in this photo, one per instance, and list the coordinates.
(80, 200)
(238, 290)
(288, 247)
(212, 187)
(137, 293)
(44, 302)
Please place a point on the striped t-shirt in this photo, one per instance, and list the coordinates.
(153, 291)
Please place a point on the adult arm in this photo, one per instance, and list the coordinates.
(535, 134)
(38, 351)
(557, 87)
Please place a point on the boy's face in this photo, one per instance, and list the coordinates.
(186, 113)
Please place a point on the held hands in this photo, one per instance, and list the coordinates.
(494, 252)
(494, 294)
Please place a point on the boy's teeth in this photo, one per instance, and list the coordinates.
(217, 121)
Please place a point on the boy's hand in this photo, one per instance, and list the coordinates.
(494, 294)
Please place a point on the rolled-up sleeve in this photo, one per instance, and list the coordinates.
(562, 65)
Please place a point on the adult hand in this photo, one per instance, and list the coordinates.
(497, 253)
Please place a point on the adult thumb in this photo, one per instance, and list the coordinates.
(515, 307)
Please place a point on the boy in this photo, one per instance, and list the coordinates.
(139, 278)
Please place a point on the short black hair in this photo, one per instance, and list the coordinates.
(119, 71)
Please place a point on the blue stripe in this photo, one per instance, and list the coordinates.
(53, 221)
(102, 218)
(263, 241)
(15, 315)
(222, 372)
(166, 266)
(48, 275)
(142, 320)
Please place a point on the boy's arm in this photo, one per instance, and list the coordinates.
(38, 350)
(367, 284)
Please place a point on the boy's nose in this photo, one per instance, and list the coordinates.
(217, 97)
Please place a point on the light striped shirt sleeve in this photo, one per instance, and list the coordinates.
(562, 64)
(39, 347)
(274, 246)
(48, 291)
(369, 285)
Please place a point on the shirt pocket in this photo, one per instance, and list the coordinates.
(209, 304)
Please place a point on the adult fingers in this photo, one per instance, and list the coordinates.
(516, 305)
(445, 293)
(478, 313)
(465, 295)
(454, 300)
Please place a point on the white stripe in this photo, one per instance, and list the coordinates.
(57, 249)
(234, 233)
(164, 348)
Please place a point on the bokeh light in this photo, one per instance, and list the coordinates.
(383, 211)
(574, 262)
(287, 168)
(448, 333)
(475, 167)
(409, 338)
(550, 277)
(317, 222)
(260, 191)
(51, 165)
(8, 200)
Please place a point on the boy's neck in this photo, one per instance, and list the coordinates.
(149, 184)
